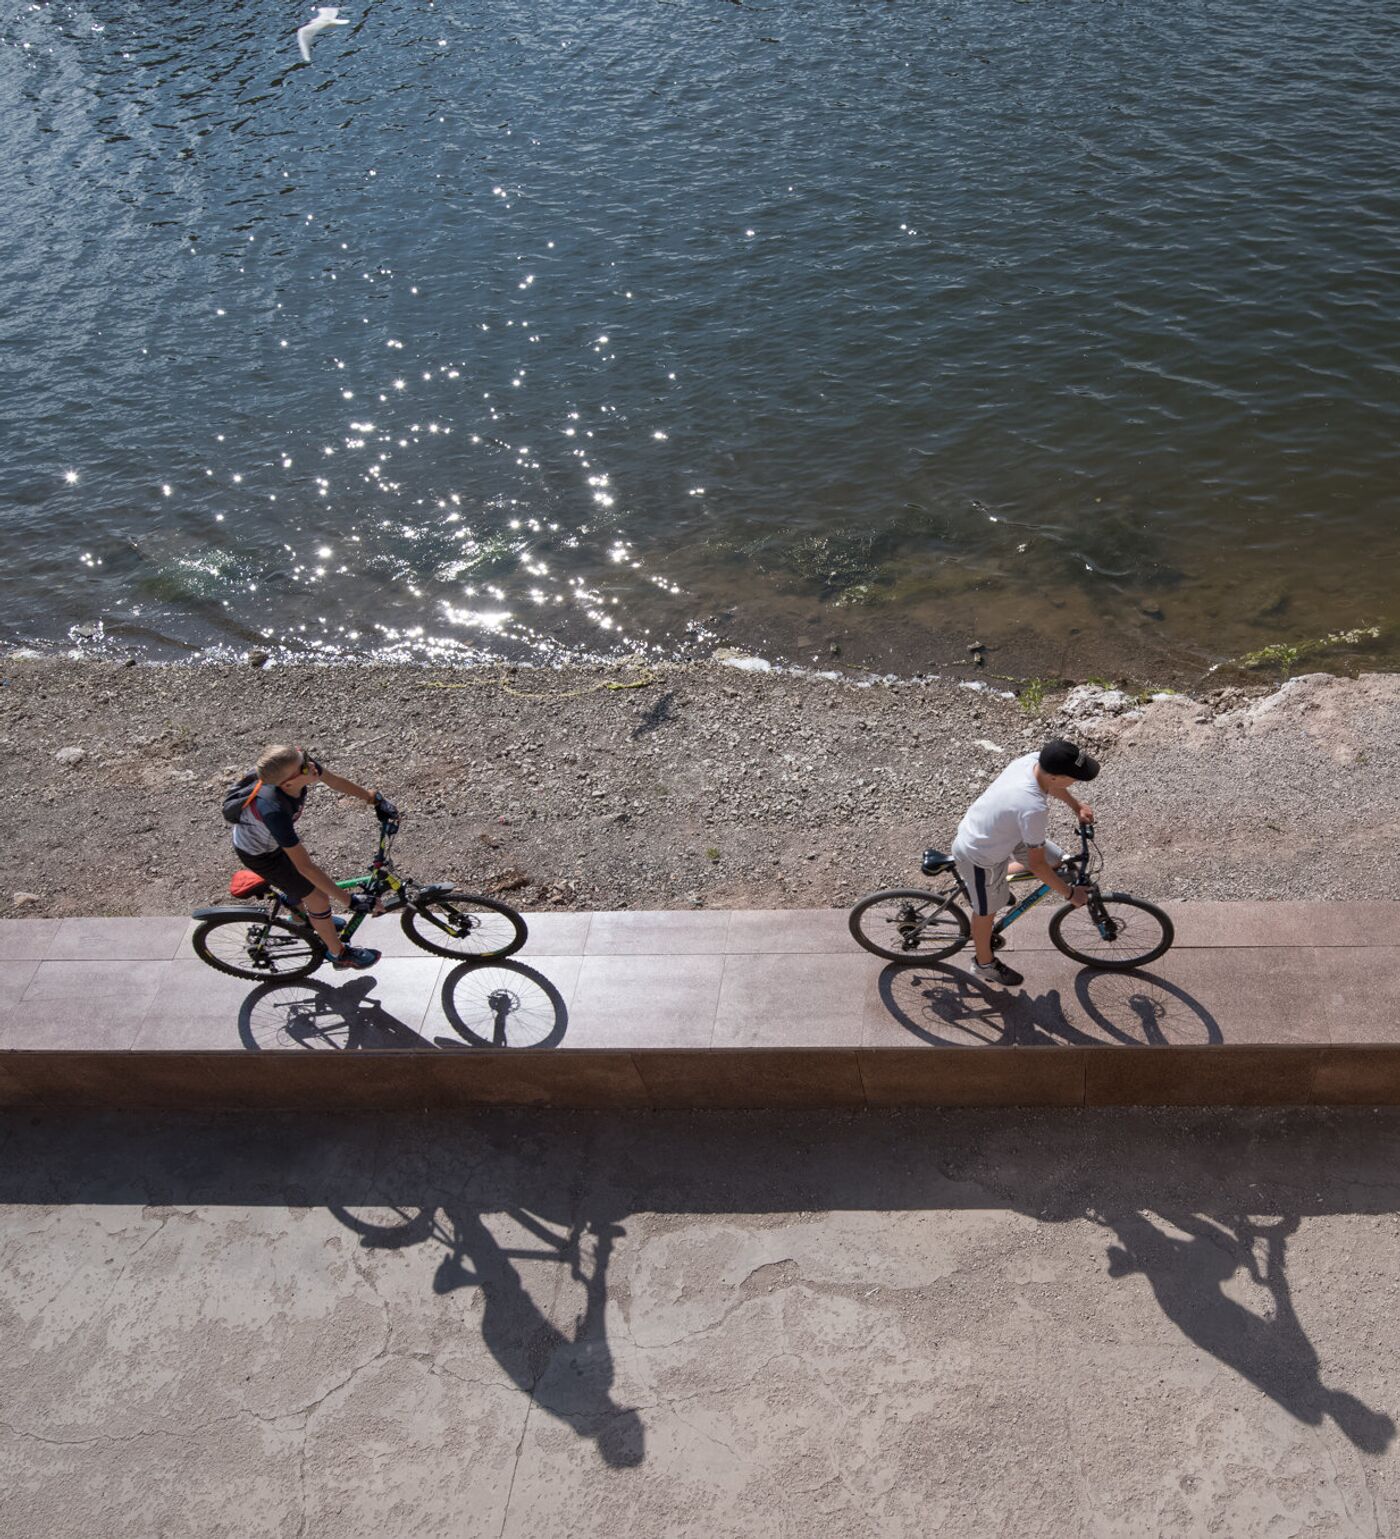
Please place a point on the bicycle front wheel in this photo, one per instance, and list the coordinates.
(906, 925)
(258, 947)
(460, 925)
(1114, 932)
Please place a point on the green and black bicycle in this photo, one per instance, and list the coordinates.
(1112, 930)
(272, 939)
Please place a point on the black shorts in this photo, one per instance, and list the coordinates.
(279, 869)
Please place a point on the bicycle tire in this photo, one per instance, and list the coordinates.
(944, 945)
(415, 1226)
(454, 905)
(1108, 961)
(305, 959)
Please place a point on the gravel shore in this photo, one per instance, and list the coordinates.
(683, 785)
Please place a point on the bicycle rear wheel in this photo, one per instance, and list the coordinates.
(461, 925)
(258, 947)
(1114, 932)
(906, 925)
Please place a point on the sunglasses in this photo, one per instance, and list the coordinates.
(307, 763)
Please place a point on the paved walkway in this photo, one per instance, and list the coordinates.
(716, 984)
(703, 1326)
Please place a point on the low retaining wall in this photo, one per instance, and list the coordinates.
(1257, 1004)
(754, 1077)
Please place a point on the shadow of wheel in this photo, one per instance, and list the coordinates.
(503, 1004)
(388, 1227)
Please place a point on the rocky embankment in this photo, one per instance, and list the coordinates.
(675, 786)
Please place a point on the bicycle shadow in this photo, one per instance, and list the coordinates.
(502, 1004)
(499, 1200)
(1189, 1271)
(310, 1013)
(947, 1006)
(488, 1004)
(569, 1377)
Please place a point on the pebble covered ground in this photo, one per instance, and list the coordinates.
(675, 786)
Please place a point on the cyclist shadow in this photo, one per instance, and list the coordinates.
(309, 1013)
(1190, 1260)
(1201, 1268)
(495, 1004)
(948, 1007)
(569, 1377)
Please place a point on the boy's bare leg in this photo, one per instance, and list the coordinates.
(982, 927)
(324, 926)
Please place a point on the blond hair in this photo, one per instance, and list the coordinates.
(277, 763)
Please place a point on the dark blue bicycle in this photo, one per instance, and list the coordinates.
(1111, 930)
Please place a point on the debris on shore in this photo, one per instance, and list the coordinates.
(669, 787)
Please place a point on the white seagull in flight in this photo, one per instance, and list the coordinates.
(326, 16)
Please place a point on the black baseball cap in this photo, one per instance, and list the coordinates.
(1062, 758)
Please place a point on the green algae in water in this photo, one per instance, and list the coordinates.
(198, 579)
(1286, 655)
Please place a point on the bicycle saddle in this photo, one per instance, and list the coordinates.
(936, 861)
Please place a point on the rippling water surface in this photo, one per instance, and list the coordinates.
(508, 328)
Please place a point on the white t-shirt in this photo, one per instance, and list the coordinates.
(1012, 811)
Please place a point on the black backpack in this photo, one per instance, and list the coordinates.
(239, 796)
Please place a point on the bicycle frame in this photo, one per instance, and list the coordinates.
(1079, 867)
(379, 879)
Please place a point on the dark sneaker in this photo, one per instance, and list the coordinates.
(357, 958)
(996, 971)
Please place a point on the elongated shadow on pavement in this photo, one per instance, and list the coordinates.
(1180, 1197)
(309, 1013)
(948, 1006)
(1190, 1259)
(502, 1004)
(569, 1377)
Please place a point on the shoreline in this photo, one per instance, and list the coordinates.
(675, 785)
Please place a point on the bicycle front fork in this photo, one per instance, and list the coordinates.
(1104, 922)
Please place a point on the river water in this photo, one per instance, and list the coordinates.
(821, 329)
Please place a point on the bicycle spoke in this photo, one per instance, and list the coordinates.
(259, 948)
(1132, 932)
(913, 928)
(461, 925)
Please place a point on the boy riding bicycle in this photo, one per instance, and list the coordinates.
(1006, 825)
(265, 840)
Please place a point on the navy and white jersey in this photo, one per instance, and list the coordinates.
(267, 823)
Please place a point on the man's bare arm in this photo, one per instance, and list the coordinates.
(1037, 863)
(1082, 810)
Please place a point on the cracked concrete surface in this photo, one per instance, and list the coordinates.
(525, 1324)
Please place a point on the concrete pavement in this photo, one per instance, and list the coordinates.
(887, 1324)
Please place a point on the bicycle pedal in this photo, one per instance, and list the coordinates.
(998, 941)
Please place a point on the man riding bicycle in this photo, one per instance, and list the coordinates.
(265, 840)
(1006, 825)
